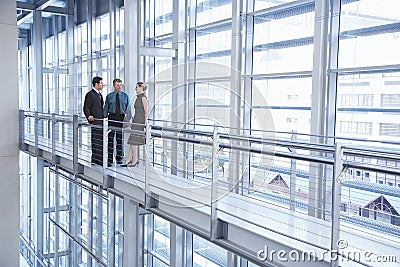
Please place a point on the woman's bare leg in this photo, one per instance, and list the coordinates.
(134, 154)
(130, 153)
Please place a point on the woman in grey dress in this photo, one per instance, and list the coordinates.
(139, 121)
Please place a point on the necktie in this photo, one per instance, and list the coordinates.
(117, 106)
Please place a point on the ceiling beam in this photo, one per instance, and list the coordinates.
(42, 4)
(58, 10)
(25, 6)
(23, 16)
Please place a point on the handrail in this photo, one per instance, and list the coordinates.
(348, 150)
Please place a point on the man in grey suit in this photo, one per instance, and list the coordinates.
(93, 109)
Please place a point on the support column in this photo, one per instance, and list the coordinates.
(37, 45)
(236, 83)
(133, 234)
(9, 190)
(38, 213)
(315, 201)
(191, 51)
(177, 245)
(74, 103)
(56, 79)
(331, 91)
(132, 42)
(179, 82)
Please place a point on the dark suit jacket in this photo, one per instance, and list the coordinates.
(93, 106)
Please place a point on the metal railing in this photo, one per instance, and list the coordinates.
(257, 170)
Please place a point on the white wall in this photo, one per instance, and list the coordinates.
(9, 178)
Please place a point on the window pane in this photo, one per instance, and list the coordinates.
(369, 34)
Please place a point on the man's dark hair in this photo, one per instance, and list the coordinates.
(96, 80)
(116, 80)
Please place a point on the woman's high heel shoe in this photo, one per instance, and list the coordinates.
(127, 164)
(134, 165)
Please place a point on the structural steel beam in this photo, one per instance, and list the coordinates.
(43, 5)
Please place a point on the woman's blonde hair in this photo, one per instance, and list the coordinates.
(142, 85)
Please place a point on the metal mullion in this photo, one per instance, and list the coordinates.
(56, 65)
(57, 217)
(30, 189)
(188, 249)
(76, 219)
(191, 61)
(336, 201)
(112, 63)
(243, 262)
(150, 238)
(24, 93)
(48, 226)
(141, 234)
(248, 88)
(120, 46)
(150, 8)
(111, 231)
(99, 221)
(39, 231)
(90, 225)
(120, 232)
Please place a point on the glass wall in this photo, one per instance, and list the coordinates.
(274, 55)
(369, 76)
(66, 221)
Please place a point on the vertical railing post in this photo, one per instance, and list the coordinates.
(108, 180)
(75, 156)
(293, 175)
(147, 161)
(21, 137)
(218, 228)
(36, 125)
(105, 145)
(38, 151)
(55, 158)
(336, 201)
(151, 199)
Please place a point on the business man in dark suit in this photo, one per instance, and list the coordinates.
(93, 109)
